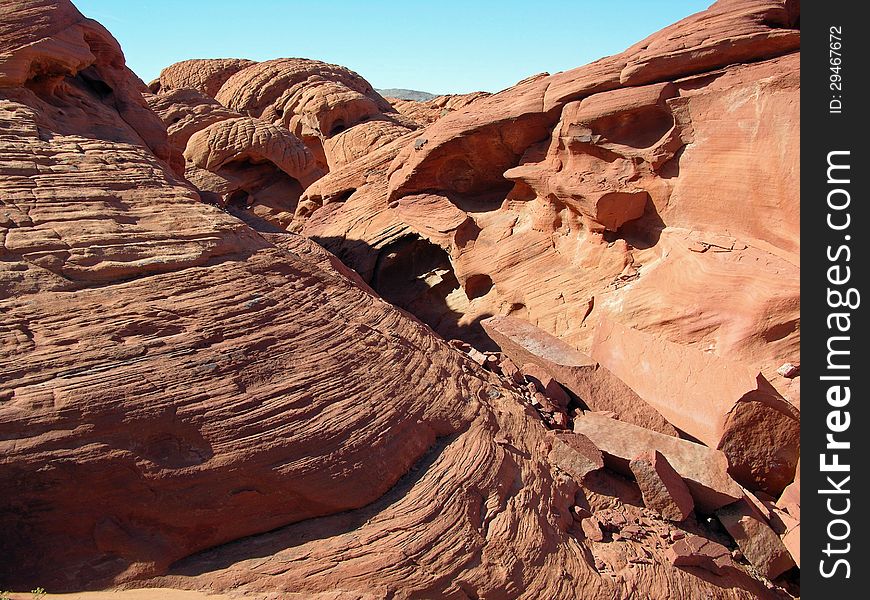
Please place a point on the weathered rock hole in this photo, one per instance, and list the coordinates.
(477, 286)
(641, 233)
(417, 275)
(781, 331)
(515, 308)
(266, 183)
(345, 195)
(337, 128)
(238, 199)
(181, 447)
(94, 82)
(639, 128)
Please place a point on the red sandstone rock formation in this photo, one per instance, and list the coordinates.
(328, 109)
(206, 76)
(756, 539)
(575, 454)
(631, 203)
(426, 113)
(185, 111)
(726, 406)
(662, 487)
(704, 470)
(315, 100)
(191, 401)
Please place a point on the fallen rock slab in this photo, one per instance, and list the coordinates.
(595, 385)
(704, 470)
(758, 542)
(575, 454)
(662, 487)
(722, 403)
(695, 551)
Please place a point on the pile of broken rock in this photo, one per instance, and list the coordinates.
(597, 422)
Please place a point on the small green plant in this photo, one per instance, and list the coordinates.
(38, 593)
(5, 596)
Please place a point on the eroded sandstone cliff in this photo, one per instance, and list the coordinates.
(193, 395)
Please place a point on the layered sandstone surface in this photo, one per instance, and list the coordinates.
(193, 397)
(666, 201)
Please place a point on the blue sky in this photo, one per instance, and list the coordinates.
(439, 46)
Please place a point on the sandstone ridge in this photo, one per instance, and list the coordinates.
(268, 332)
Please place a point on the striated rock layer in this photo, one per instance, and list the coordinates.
(657, 187)
(653, 193)
(193, 397)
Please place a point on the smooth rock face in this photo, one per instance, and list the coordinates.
(596, 386)
(758, 542)
(726, 406)
(792, 542)
(662, 487)
(704, 470)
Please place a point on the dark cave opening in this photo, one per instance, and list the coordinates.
(417, 276)
(337, 128)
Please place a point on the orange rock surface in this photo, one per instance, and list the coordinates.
(194, 396)
(585, 199)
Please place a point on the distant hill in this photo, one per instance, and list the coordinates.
(406, 94)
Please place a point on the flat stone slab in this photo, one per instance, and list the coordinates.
(724, 404)
(662, 487)
(575, 454)
(758, 542)
(704, 470)
(594, 384)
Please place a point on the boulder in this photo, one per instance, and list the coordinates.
(704, 470)
(722, 403)
(662, 487)
(789, 370)
(758, 542)
(696, 551)
(575, 454)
